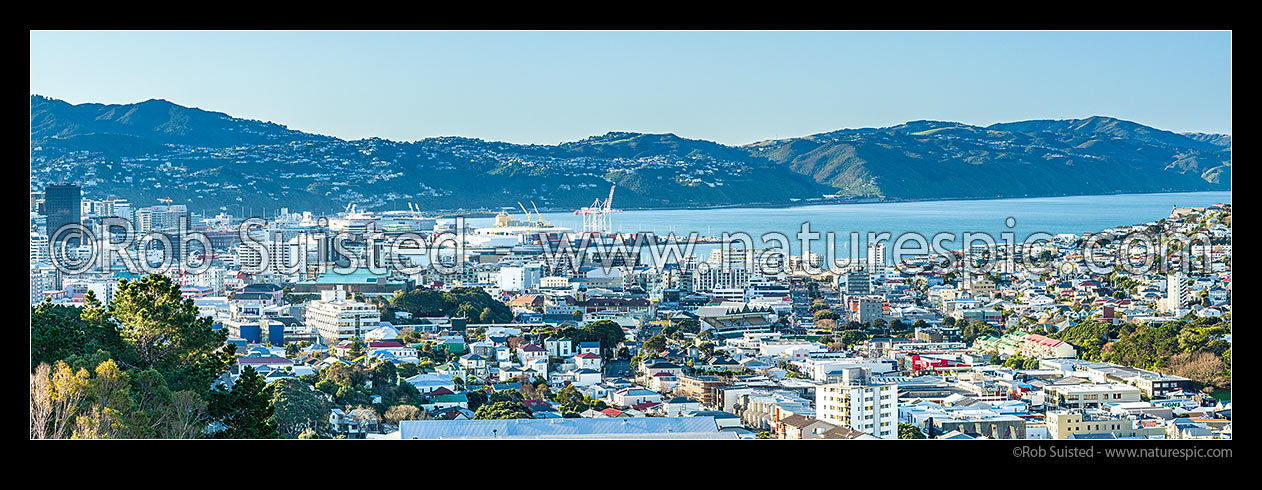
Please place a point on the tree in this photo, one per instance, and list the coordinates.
(298, 409)
(826, 315)
(365, 417)
(972, 330)
(472, 303)
(56, 396)
(909, 431)
(246, 412)
(383, 375)
(1203, 368)
(655, 344)
(292, 350)
(399, 413)
(56, 333)
(345, 375)
(163, 331)
(608, 333)
(570, 399)
(507, 409)
(108, 411)
(357, 349)
(476, 399)
(408, 370)
(852, 337)
(689, 325)
(153, 357)
(185, 416)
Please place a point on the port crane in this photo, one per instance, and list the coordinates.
(596, 217)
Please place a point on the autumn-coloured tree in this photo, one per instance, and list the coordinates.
(399, 413)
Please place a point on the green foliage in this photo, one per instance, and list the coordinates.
(688, 325)
(655, 344)
(852, 337)
(476, 399)
(817, 305)
(507, 409)
(972, 330)
(408, 370)
(1193, 348)
(298, 409)
(909, 431)
(573, 401)
(162, 330)
(472, 303)
(247, 411)
(608, 333)
(84, 342)
(155, 360)
(1021, 362)
(826, 314)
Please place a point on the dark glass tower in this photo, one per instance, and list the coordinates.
(62, 203)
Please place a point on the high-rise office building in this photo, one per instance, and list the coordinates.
(63, 205)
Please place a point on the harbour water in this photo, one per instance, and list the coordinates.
(1054, 215)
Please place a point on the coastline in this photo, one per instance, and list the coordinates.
(443, 214)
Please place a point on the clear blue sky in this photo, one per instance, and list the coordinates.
(731, 87)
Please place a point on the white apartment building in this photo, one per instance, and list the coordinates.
(876, 259)
(714, 277)
(1178, 293)
(337, 319)
(860, 403)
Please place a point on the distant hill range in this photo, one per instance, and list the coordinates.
(212, 161)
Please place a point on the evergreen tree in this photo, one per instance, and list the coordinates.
(247, 411)
(163, 331)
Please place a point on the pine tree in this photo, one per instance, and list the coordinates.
(247, 411)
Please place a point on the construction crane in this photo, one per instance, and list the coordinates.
(596, 217)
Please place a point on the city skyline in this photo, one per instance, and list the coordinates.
(1021, 237)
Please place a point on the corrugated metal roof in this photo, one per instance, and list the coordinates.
(611, 428)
